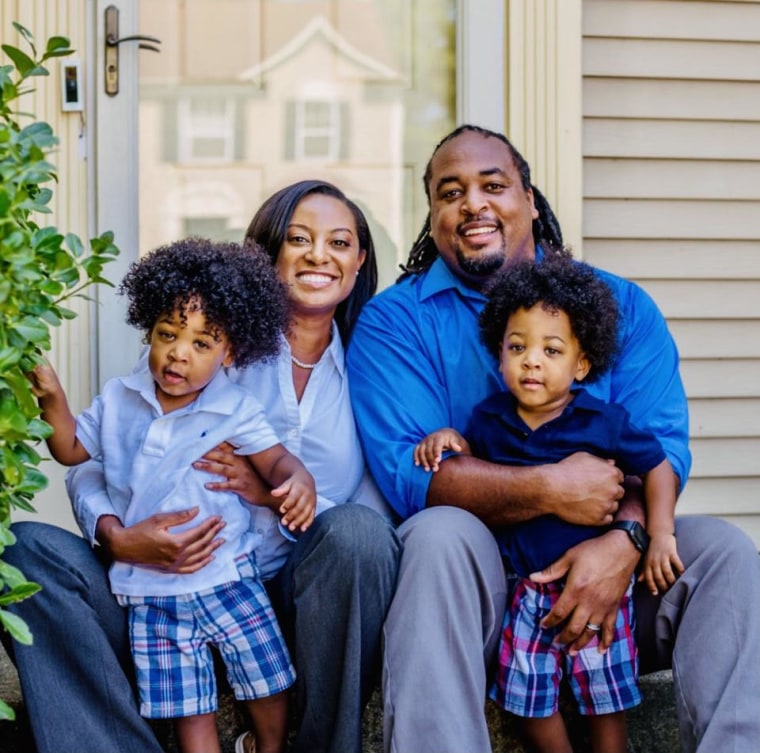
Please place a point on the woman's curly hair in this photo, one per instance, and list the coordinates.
(558, 283)
(237, 288)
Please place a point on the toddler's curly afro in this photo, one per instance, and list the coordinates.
(558, 283)
(237, 288)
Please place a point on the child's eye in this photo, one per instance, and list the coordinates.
(516, 348)
(552, 352)
(201, 345)
(164, 335)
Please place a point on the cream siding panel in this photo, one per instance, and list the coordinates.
(730, 338)
(671, 146)
(718, 299)
(668, 258)
(607, 137)
(672, 179)
(705, 495)
(679, 99)
(725, 417)
(725, 457)
(671, 59)
(732, 21)
(71, 342)
(609, 218)
(722, 377)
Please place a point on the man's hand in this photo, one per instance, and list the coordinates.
(151, 543)
(598, 573)
(584, 489)
(239, 476)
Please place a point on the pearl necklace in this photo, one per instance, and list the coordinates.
(301, 364)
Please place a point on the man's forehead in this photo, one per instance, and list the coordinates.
(471, 153)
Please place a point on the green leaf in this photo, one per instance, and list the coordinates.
(58, 44)
(7, 714)
(16, 627)
(24, 33)
(74, 244)
(11, 576)
(23, 591)
(20, 59)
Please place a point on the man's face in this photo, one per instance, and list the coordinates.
(480, 214)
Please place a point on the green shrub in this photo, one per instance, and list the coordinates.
(40, 268)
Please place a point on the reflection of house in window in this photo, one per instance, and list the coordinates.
(206, 129)
(317, 129)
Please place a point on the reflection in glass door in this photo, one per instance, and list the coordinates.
(249, 95)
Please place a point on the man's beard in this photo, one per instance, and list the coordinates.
(481, 266)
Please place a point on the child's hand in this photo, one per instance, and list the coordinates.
(300, 501)
(662, 565)
(44, 381)
(429, 451)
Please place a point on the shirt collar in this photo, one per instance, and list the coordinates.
(439, 278)
(333, 353)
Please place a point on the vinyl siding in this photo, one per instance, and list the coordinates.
(671, 174)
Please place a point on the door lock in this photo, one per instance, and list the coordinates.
(113, 41)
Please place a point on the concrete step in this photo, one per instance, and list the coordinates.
(651, 726)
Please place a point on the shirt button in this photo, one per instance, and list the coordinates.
(293, 433)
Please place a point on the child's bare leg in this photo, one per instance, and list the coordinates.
(608, 734)
(197, 734)
(547, 735)
(270, 722)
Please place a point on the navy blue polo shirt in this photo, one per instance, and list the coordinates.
(498, 434)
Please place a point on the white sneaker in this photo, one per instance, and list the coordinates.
(246, 743)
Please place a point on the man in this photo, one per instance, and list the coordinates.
(416, 364)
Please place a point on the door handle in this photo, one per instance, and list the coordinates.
(113, 40)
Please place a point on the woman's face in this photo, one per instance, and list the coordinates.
(320, 256)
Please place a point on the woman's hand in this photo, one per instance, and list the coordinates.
(239, 476)
(598, 572)
(151, 543)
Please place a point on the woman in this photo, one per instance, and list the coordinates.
(334, 583)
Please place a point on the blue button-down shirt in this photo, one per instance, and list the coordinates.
(416, 364)
(497, 433)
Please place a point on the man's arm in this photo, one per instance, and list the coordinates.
(400, 395)
(483, 488)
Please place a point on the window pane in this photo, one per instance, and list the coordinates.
(248, 96)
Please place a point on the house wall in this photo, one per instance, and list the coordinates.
(71, 343)
(671, 199)
(641, 119)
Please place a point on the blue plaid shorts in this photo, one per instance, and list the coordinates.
(170, 638)
(531, 666)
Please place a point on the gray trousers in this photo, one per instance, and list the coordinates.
(442, 633)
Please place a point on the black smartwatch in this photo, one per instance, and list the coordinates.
(636, 533)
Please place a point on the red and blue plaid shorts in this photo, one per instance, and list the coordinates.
(531, 665)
